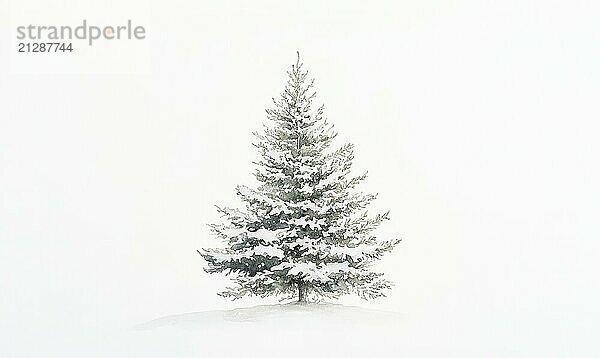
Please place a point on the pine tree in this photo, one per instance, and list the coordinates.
(305, 230)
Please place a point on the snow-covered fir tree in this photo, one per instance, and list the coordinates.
(304, 231)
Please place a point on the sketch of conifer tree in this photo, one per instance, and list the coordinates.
(304, 230)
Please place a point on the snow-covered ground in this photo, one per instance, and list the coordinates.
(283, 313)
(287, 330)
(315, 330)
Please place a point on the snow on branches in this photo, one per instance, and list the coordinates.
(304, 230)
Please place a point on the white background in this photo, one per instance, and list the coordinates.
(477, 122)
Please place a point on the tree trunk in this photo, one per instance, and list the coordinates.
(301, 292)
